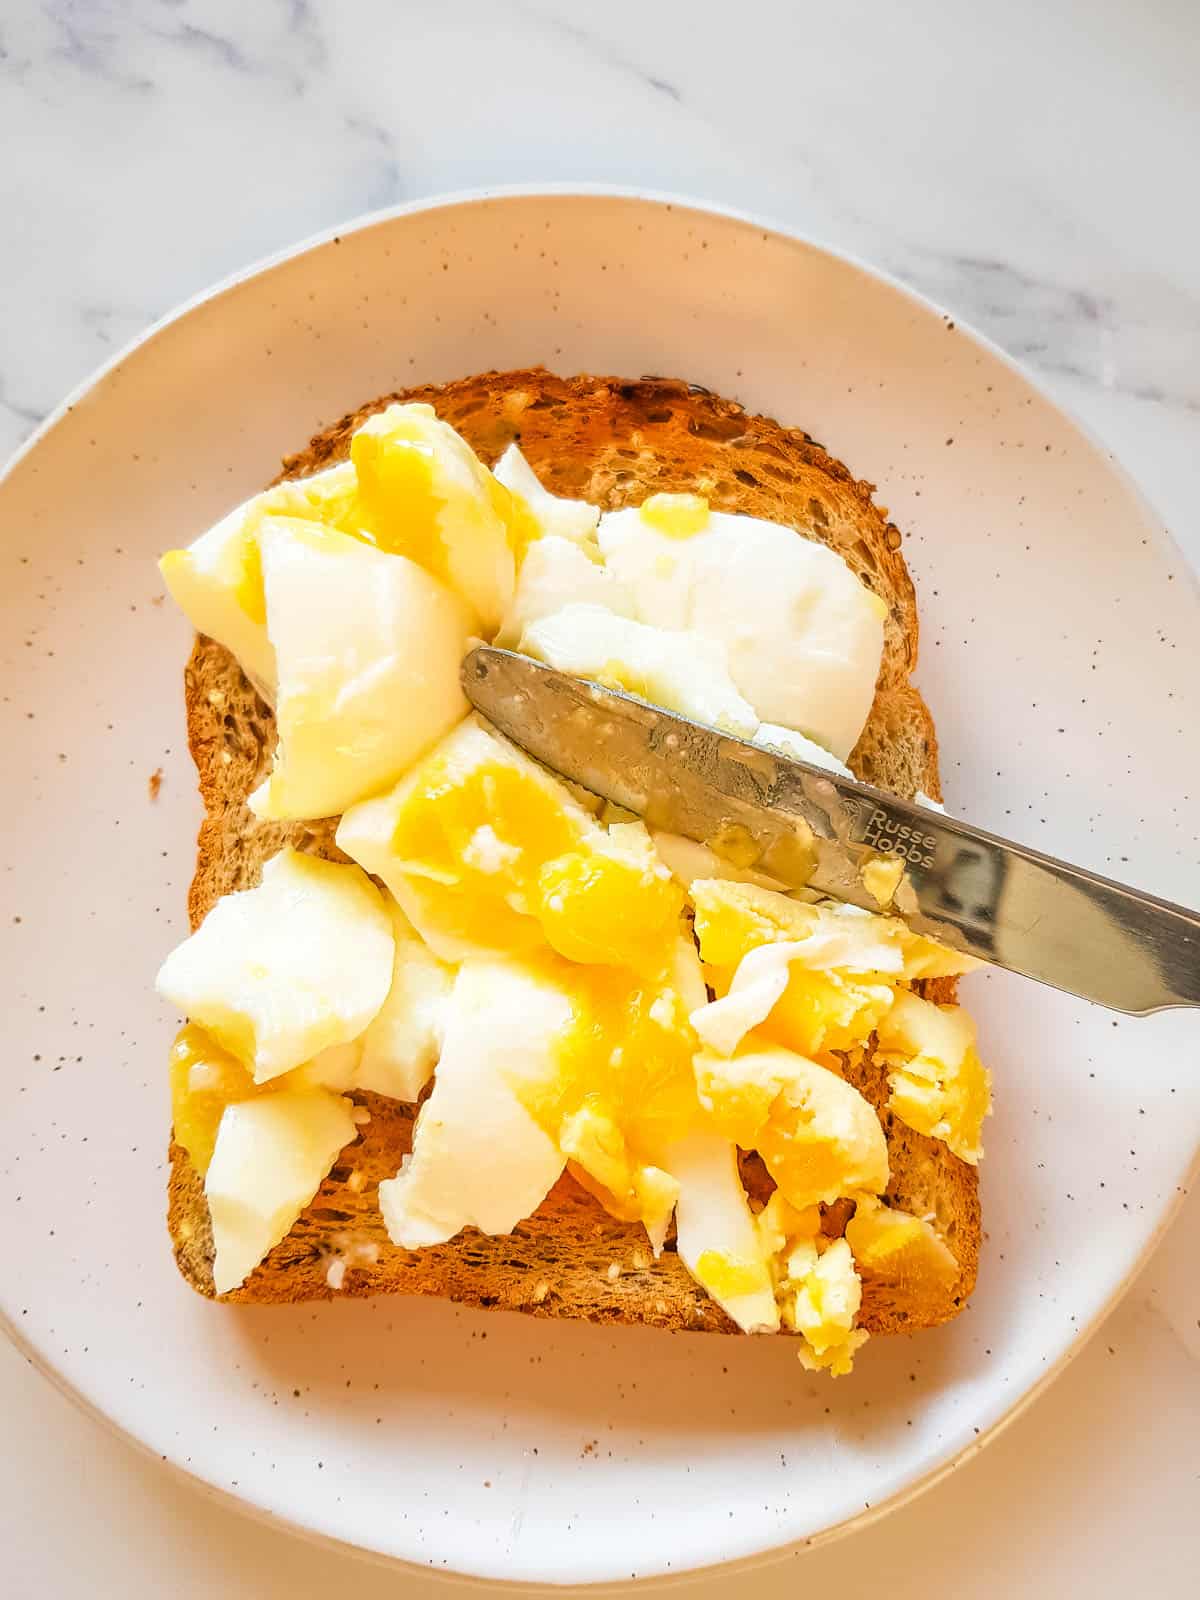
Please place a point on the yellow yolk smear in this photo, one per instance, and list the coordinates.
(611, 908)
(679, 516)
(204, 1080)
(425, 494)
(480, 840)
(509, 866)
(617, 1088)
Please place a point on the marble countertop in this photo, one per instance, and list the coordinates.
(1013, 162)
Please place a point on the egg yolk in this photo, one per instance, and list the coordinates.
(204, 1080)
(481, 840)
(823, 1011)
(727, 1277)
(679, 516)
(418, 474)
(890, 1243)
(732, 918)
(597, 908)
(817, 1135)
(617, 1087)
(508, 867)
(938, 1084)
(821, 1301)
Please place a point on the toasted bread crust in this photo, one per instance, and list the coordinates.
(611, 442)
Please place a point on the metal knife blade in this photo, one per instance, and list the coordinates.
(802, 825)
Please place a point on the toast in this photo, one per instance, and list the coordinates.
(610, 442)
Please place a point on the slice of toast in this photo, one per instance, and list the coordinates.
(610, 442)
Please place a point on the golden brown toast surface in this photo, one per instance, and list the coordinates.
(610, 442)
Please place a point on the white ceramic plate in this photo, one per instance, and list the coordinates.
(1060, 656)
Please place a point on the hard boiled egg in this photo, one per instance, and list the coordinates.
(270, 1156)
(813, 977)
(461, 841)
(893, 1244)
(368, 648)
(426, 495)
(939, 1085)
(279, 973)
(803, 637)
(685, 672)
(816, 1284)
(487, 852)
(479, 1158)
(217, 582)
(818, 1136)
(716, 1235)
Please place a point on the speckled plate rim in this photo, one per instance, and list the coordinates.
(968, 1448)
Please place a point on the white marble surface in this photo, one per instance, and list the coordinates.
(1014, 162)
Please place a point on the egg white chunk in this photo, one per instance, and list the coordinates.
(400, 1047)
(216, 584)
(757, 986)
(558, 572)
(685, 672)
(787, 742)
(368, 647)
(688, 860)
(269, 1159)
(713, 1220)
(279, 973)
(555, 516)
(479, 1159)
(420, 478)
(803, 637)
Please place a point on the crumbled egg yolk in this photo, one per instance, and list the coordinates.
(939, 1086)
(821, 1009)
(881, 878)
(508, 866)
(891, 1243)
(617, 1089)
(818, 1136)
(619, 907)
(479, 840)
(816, 1284)
(822, 1302)
(834, 999)
(679, 516)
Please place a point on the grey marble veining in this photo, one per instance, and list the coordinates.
(1015, 168)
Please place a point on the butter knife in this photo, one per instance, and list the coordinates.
(801, 825)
